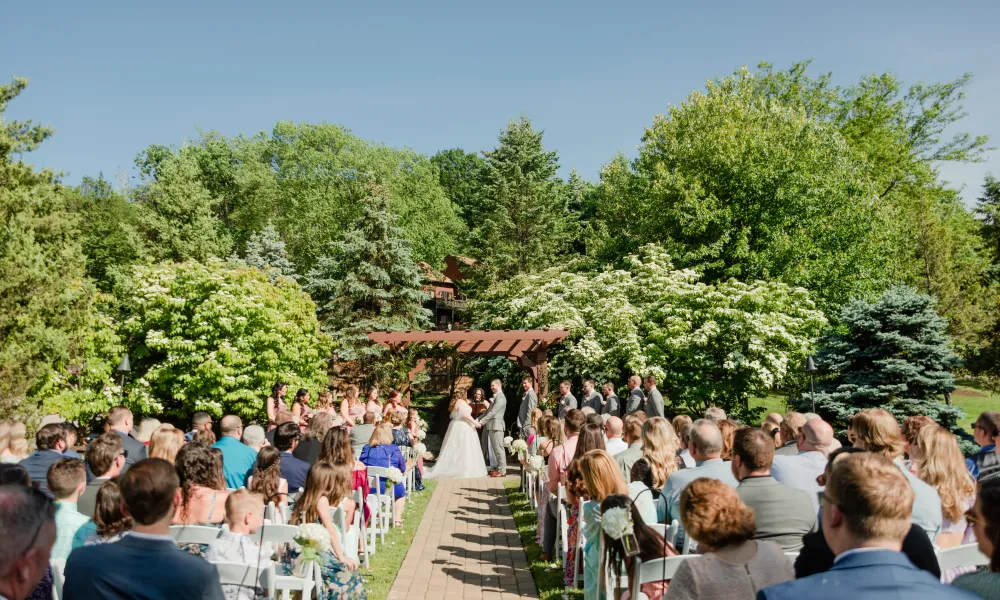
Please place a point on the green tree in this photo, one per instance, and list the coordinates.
(988, 211)
(266, 251)
(214, 337)
(56, 351)
(461, 177)
(893, 353)
(369, 282)
(520, 221)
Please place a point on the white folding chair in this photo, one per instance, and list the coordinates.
(58, 566)
(562, 525)
(248, 576)
(661, 569)
(581, 540)
(348, 535)
(275, 534)
(272, 514)
(967, 555)
(367, 535)
(385, 500)
(194, 534)
(288, 585)
(671, 532)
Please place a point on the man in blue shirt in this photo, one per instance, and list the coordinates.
(986, 463)
(237, 457)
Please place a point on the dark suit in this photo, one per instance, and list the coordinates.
(635, 401)
(88, 499)
(654, 404)
(134, 449)
(783, 514)
(816, 556)
(269, 436)
(612, 406)
(294, 471)
(308, 450)
(37, 465)
(863, 575)
(595, 401)
(136, 567)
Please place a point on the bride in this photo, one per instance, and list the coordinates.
(461, 455)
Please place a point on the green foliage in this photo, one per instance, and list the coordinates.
(892, 354)
(708, 344)
(266, 251)
(55, 349)
(213, 337)
(988, 211)
(519, 218)
(461, 177)
(112, 237)
(369, 282)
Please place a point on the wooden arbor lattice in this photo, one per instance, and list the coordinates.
(529, 347)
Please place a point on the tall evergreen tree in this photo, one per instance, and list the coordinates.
(988, 210)
(368, 282)
(519, 219)
(266, 251)
(893, 354)
(460, 174)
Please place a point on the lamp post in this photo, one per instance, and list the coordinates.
(811, 369)
(124, 367)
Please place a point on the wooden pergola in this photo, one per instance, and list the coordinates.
(529, 347)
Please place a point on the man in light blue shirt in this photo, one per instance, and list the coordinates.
(705, 445)
(802, 470)
(237, 458)
(67, 479)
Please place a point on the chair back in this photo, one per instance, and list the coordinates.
(58, 566)
(194, 534)
(339, 518)
(275, 534)
(659, 528)
(671, 532)
(247, 576)
(661, 569)
(272, 514)
(967, 555)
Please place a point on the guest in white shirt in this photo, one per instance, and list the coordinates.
(613, 431)
(244, 514)
(802, 470)
(685, 434)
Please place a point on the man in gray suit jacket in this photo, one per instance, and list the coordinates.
(567, 401)
(146, 563)
(636, 399)
(783, 514)
(528, 403)
(494, 427)
(592, 397)
(612, 405)
(654, 399)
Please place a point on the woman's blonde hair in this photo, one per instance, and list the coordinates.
(728, 430)
(942, 466)
(659, 447)
(146, 428)
(13, 437)
(165, 444)
(601, 475)
(351, 396)
(536, 416)
(877, 431)
(382, 435)
(325, 400)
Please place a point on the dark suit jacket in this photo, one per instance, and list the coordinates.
(269, 436)
(134, 449)
(88, 499)
(654, 404)
(863, 575)
(37, 465)
(636, 400)
(308, 450)
(816, 556)
(612, 406)
(294, 471)
(139, 568)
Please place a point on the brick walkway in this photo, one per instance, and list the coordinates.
(466, 548)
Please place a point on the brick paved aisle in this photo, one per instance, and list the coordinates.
(466, 547)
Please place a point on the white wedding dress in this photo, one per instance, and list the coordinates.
(461, 455)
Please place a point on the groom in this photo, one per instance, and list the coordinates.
(494, 427)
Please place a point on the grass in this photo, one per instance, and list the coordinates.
(548, 575)
(388, 558)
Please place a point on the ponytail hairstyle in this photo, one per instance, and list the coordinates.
(267, 479)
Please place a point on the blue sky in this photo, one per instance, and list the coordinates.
(112, 77)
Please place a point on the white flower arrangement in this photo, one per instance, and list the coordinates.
(519, 446)
(395, 475)
(617, 523)
(507, 441)
(421, 435)
(312, 537)
(536, 463)
(420, 449)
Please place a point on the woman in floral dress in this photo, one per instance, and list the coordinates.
(337, 450)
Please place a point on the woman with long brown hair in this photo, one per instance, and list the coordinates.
(267, 480)
(337, 450)
(276, 403)
(728, 430)
(601, 478)
(351, 407)
(942, 466)
(111, 522)
(203, 492)
(591, 438)
(324, 403)
(373, 404)
(651, 544)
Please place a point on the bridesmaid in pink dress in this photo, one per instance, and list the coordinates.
(324, 403)
(374, 405)
(351, 408)
(276, 403)
(393, 404)
(301, 409)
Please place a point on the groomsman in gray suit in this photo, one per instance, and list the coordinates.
(494, 427)
(636, 399)
(592, 397)
(528, 403)
(654, 399)
(567, 401)
(612, 405)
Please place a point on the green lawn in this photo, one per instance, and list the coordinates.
(389, 556)
(548, 575)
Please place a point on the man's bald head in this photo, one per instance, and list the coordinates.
(706, 440)
(231, 425)
(816, 435)
(613, 428)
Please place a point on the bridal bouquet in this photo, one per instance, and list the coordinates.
(395, 475)
(313, 539)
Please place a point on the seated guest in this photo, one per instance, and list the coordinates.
(147, 562)
(254, 437)
(706, 448)
(360, 434)
(986, 432)
(782, 514)
(309, 448)
(284, 416)
(237, 458)
(985, 519)
(67, 479)
(728, 429)
(816, 556)
(802, 470)
(613, 431)
(203, 490)
(244, 515)
(111, 522)
(13, 442)
(199, 421)
(341, 579)
(165, 443)
(267, 480)
(789, 430)
(647, 499)
(205, 436)
(106, 459)
(910, 428)
(632, 432)
(72, 435)
(50, 441)
(659, 448)
(601, 478)
(877, 431)
(714, 413)
(732, 564)
(28, 530)
(651, 544)
(293, 470)
(120, 422)
(684, 434)
(772, 427)
(942, 466)
(381, 452)
(145, 430)
(865, 515)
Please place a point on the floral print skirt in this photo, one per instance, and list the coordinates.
(338, 582)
